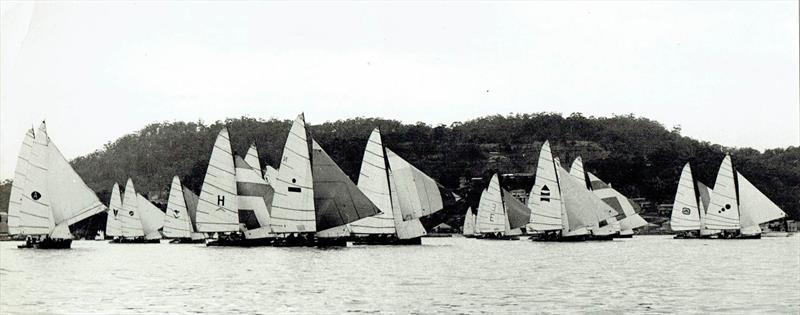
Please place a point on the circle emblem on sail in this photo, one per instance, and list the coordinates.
(686, 211)
(36, 195)
(130, 213)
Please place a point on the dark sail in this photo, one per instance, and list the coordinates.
(336, 198)
(191, 205)
(518, 214)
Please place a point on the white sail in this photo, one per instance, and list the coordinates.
(578, 204)
(491, 214)
(545, 197)
(131, 218)
(254, 197)
(418, 193)
(293, 203)
(113, 222)
(17, 186)
(755, 207)
(152, 218)
(405, 229)
(35, 216)
(723, 210)
(216, 210)
(270, 174)
(373, 181)
(177, 223)
(469, 223)
(606, 221)
(252, 158)
(70, 198)
(686, 210)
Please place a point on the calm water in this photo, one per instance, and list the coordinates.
(453, 275)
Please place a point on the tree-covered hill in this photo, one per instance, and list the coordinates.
(638, 156)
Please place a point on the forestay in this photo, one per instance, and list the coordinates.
(177, 223)
(491, 214)
(114, 220)
(293, 203)
(152, 218)
(545, 197)
(217, 208)
(723, 211)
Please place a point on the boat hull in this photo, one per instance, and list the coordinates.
(386, 240)
(243, 242)
(558, 238)
(134, 241)
(48, 243)
(608, 237)
(187, 240)
(498, 237)
(625, 236)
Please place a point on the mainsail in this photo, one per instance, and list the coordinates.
(131, 217)
(755, 207)
(152, 218)
(405, 229)
(177, 223)
(254, 196)
(217, 208)
(518, 214)
(723, 211)
(17, 186)
(418, 194)
(252, 158)
(469, 223)
(606, 222)
(293, 203)
(114, 221)
(373, 181)
(686, 207)
(491, 214)
(545, 197)
(578, 202)
(337, 200)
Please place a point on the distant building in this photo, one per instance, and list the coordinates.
(664, 209)
(521, 195)
(442, 228)
(643, 203)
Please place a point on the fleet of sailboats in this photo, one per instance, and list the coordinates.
(309, 201)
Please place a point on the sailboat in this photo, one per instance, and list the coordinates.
(418, 194)
(737, 208)
(314, 200)
(607, 226)
(113, 220)
(559, 204)
(133, 230)
(377, 181)
(47, 195)
(627, 217)
(500, 215)
(177, 221)
(152, 219)
(689, 208)
(469, 224)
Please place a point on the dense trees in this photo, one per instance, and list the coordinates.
(637, 155)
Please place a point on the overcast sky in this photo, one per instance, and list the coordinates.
(727, 72)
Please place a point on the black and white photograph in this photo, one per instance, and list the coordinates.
(399, 157)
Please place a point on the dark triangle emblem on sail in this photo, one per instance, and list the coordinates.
(337, 200)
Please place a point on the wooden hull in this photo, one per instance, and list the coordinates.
(243, 242)
(558, 238)
(187, 241)
(48, 244)
(625, 236)
(387, 240)
(498, 237)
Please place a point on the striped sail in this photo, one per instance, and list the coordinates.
(469, 223)
(755, 207)
(723, 211)
(35, 216)
(337, 200)
(627, 217)
(270, 175)
(419, 194)
(405, 229)
(545, 197)
(216, 209)
(373, 181)
(254, 195)
(252, 159)
(114, 222)
(293, 203)
(17, 186)
(177, 223)
(130, 217)
(152, 218)
(686, 210)
(491, 215)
